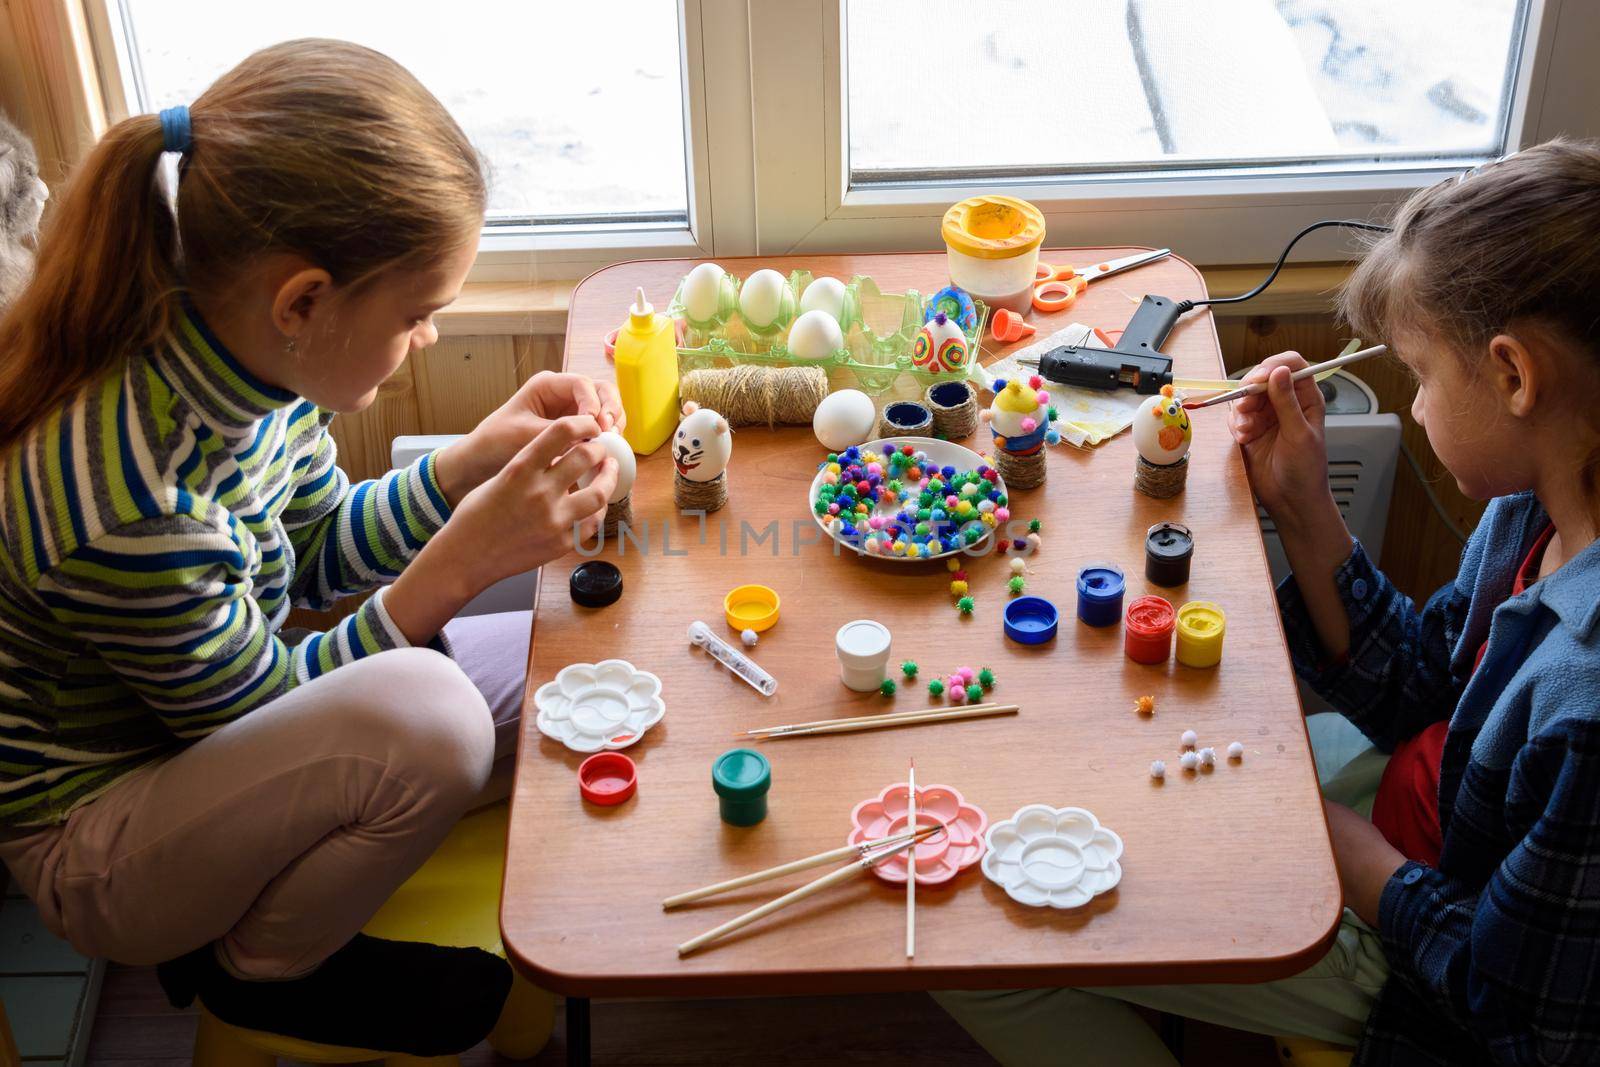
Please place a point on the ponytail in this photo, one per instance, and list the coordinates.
(320, 148)
(102, 284)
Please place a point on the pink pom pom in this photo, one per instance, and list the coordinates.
(833, 509)
(874, 468)
(1042, 397)
(1035, 541)
(956, 691)
(1002, 514)
(1034, 382)
(966, 674)
(951, 501)
(1029, 424)
(876, 522)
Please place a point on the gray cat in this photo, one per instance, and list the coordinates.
(22, 198)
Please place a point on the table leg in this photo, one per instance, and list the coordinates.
(577, 1032)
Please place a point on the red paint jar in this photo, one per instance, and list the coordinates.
(1147, 630)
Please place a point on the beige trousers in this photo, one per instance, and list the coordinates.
(283, 832)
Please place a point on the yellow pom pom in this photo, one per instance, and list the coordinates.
(834, 468)
(913, 550)
(958, 588)
(951, 565)
(987, 518)
(899, 548)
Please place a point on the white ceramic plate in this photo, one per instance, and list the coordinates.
(940, 453)
(1052, 857)
(590, 707)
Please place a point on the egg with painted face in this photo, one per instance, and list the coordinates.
(1018, 410)
(940, 345)
(703, 444)
(617, 448)
(1161, 430)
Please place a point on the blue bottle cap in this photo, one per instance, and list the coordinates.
(1030, 620)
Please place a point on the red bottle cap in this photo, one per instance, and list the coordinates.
(607, 778)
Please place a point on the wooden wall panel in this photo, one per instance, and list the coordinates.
(462, 379)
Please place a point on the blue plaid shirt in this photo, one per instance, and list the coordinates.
(1495, 953)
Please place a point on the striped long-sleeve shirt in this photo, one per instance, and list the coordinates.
(153, 535)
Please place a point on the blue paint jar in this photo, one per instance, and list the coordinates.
(1100, 587)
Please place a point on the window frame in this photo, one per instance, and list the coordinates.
(1221, 217)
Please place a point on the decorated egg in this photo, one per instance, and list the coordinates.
(1161, 429)
(1017, 410)
(815, 335)
(824, 294)
(617, 448)
(940, 345)
(845, 418)
(702, 292)
(761, 298)
(703, 444)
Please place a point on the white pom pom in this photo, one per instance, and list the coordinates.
(1158, 769)
(1208, 757)
(1189, 739)
(1236, 751)
(1017, 565)
(1189, 761)
(749, 637)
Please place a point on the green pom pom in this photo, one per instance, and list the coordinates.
(887, 688)
(986, 678)
(820, 506)
(1053, 415)
(1000, 502)
(1033, 525)
(974, 692)
(833, 457)
(935, 688)
(965, 605)
(909, 668)
(1016, 584)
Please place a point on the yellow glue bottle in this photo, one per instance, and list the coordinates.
(647, 376)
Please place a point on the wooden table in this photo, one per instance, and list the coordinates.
(1228, 875)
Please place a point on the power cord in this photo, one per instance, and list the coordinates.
(1349, 224)
(1433, 498)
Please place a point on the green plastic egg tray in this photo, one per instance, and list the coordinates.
(879, 329)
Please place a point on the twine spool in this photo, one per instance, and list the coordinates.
(955, 409)
(750, 395)
(700, 496)
(1025, 471)
(1161, 480)
(904, 418)
(617, 515)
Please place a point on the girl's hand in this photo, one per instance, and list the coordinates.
(1365, 859)
(545, 397)
(1281, 432)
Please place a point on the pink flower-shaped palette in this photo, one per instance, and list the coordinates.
(940, 857)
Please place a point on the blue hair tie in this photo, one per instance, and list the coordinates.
(176, 135)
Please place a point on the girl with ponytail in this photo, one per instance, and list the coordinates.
(181, 781)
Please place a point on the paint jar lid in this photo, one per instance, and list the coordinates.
(595, 584)
(1100, 581)
(741, 774)
(1169, 540)
(751, 607)
(1151, 616)
(862, 643)
(1030, 620)
(607, 778)
(1201, 620)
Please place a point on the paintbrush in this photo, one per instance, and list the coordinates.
(1304, 372)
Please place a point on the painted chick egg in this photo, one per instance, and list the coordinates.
(940, 345)
(1017, 411)
(703, 444)
(1161, 429)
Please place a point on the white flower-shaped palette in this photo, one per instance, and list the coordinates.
(593, 706)
(1052, 857)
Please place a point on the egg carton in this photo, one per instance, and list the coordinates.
(880, 330)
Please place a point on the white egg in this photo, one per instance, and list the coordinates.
(815, 335)
(702, 292)
(843, 419)
(1161, 430)
(824, 294)
(617, 448)
(761, 298)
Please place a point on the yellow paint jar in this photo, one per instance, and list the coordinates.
(1201, 625)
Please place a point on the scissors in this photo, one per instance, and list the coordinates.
(1057, 288)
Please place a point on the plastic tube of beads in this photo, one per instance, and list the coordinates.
(1201, 625)
(1100, 587)
(1147, 631)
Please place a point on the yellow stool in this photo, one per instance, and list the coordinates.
(1304, 1052)
(454, 900)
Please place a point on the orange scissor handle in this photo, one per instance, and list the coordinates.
(1054, 296)
(1049, 272)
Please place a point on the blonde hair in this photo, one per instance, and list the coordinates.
(1512, 242)
(318, 147)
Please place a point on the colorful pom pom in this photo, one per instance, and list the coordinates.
(958, 588)
(965, 605)
(1145, 705)
(986, 678)
(974, 693)
(935, 688)
(958, 694)
(1034, 525)
(887, 688)
(965, 674)
(1016, 585)
(909, 668)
